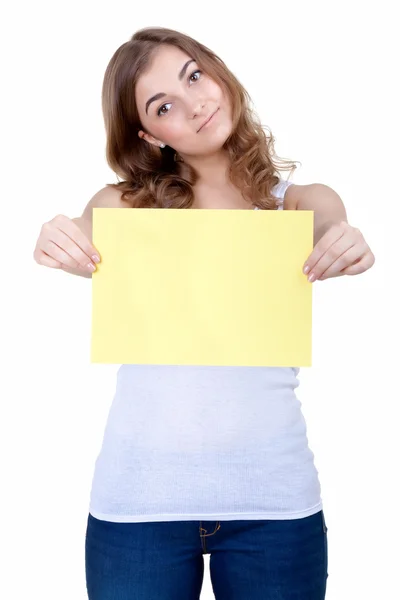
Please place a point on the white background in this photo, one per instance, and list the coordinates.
(322, 76)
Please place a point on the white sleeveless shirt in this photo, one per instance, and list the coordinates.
(205, 443)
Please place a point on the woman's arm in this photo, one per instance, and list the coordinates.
(324, 201)
(339, 248)
(105, 198)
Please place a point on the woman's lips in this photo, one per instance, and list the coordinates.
(210, 120)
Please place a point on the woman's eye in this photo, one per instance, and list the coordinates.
(194, 73)
(160, 112)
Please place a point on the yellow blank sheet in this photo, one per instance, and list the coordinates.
(202, 287)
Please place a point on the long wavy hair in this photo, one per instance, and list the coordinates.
(151, 177)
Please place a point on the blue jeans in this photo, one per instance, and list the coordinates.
(249, 559)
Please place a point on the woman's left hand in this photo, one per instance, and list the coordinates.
(342, 250)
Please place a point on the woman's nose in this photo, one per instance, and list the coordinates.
(197, 108)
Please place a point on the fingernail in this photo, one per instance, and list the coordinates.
(96, 258)
(91, 266)
(311, 277)
(306, 269)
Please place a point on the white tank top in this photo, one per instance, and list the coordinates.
(205, 443)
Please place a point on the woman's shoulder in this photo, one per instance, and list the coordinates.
(107, 197)
(292, 195)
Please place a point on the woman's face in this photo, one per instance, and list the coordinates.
(174, 100)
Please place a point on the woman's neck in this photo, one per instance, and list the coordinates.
(223, 195)
(212, 170)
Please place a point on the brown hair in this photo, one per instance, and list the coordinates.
(151, 177)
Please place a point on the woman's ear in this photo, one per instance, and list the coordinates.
(150, 139)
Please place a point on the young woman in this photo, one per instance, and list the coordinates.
(199, 460)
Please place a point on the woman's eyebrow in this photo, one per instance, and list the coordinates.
(180, 77)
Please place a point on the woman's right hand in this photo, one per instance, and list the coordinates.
(62, 244)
